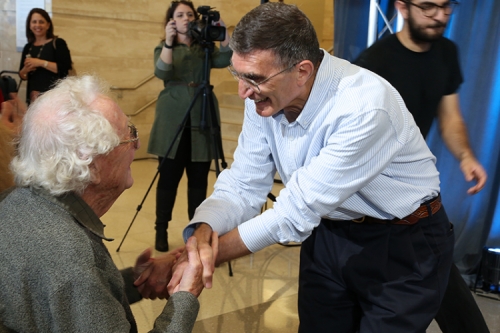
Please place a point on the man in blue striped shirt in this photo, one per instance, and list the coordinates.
(361, 187)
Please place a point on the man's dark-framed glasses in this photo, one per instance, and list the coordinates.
(251, 83)
(431, 9)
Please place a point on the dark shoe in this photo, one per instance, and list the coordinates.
(161, 242)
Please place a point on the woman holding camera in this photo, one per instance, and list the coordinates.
(45, 58)
(179, 61)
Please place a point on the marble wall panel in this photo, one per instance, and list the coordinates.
(8, 5)
(9, 58)
(115, 9)
(93, 36)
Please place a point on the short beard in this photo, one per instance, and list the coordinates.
(418, 35)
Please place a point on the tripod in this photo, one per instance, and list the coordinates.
(208, 121)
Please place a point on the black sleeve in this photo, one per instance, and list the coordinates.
(368, 59)
(360, 60)
(456, 78)
(63, 58)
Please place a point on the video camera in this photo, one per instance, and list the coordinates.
(203, 29)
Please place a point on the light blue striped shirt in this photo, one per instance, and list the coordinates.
(354, 150)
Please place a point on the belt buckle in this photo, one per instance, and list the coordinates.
(360, 220)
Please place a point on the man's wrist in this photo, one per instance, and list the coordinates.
(203, 232)
(467, 155)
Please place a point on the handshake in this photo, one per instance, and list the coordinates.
(178, 270)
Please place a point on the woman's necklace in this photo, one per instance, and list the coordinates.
(39, 52)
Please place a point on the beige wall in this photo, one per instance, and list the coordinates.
(115, 39)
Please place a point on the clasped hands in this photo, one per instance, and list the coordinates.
(30, 64)
(181, 269)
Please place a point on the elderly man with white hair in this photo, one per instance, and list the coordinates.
(73, 162)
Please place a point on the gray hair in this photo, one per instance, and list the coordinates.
(281, 28)
(61, 135)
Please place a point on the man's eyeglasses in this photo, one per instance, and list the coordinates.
(430, 9)
(134, 136)
(251, 83)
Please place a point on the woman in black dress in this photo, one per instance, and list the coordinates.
(46, 58)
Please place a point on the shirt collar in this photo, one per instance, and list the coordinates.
(324, 77)
(81, 212)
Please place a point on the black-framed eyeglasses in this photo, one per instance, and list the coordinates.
(430, 9)
(134, 136)
(251, 83)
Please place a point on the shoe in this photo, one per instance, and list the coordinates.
(161, 242)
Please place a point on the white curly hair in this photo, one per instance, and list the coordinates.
(61, 135)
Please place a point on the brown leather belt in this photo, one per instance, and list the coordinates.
(425, 210)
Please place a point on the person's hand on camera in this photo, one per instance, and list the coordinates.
(221, 23)
(170, 33)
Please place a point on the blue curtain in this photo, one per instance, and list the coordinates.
(350, 28)
(475, 28)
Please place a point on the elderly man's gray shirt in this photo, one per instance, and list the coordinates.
(56, 275)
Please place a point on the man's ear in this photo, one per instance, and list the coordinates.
(95, 173)
(306, 70)
(402, 8)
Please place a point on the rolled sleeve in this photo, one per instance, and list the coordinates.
(163, 66)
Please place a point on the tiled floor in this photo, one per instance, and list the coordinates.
(260, 297)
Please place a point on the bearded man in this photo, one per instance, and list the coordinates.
(423, 66)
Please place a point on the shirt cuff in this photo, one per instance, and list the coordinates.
(131, 291)
(163, 66)
(188, 231)
(255, 234)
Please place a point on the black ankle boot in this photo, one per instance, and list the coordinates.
(161, 241)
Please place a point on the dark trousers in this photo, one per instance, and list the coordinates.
(172, 169)
(374, 278)
(459, 312)
(171, 172)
